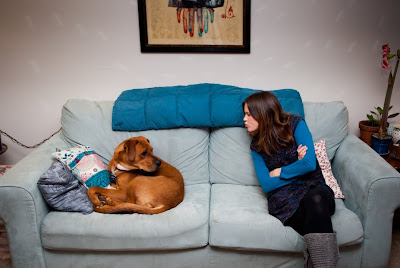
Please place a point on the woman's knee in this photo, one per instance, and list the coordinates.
(321, 199)
(313, 197)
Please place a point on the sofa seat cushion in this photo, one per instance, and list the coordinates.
(185, 226)
(239, 219)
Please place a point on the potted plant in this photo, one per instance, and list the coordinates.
(372, 125)
(380, 140)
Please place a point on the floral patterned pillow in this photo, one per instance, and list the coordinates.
(86, 165)
(323, 160)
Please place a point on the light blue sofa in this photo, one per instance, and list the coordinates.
(223, 220)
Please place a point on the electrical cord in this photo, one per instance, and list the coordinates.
(26, 146)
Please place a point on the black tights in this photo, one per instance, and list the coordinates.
(314, 213)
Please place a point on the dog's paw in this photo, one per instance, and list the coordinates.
(109, 201)
(97, 209)
(101, 209)
(102, 200)
(96, 203)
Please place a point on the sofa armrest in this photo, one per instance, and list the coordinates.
(371, 187)
(22, 207)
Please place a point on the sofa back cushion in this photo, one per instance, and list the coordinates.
(230, 157)
(89, 123)
(329, 121)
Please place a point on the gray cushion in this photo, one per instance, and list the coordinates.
(62, 191)
(230, 157)
(185, 226)
(327, 120)
(239, 219)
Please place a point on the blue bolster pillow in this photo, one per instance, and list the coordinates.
(198, 105)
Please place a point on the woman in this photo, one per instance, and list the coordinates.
(290, 174)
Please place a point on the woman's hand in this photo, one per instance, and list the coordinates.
(275, 173)
(301, 151)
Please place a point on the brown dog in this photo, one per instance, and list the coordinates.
(145, 184)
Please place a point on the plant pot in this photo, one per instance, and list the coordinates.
(366, 131)
(381, 144)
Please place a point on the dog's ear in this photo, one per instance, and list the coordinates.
(144, 138)
(129, 148)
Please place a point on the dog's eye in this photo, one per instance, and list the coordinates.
(125, 148)
(145, 153)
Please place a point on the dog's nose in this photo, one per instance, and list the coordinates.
(158, 162)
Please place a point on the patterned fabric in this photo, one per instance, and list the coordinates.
(284, 201)
(323, 160)
(62, 191)
(5, 168)
(86, 166)
(68, 156)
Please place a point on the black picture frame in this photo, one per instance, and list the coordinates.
(244, 47)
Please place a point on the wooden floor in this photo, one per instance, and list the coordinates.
(5, 261)
(395, 252)
(5, 264)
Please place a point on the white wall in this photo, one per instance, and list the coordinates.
(53, 50)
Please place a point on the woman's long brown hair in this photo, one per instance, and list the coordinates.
(274, 132)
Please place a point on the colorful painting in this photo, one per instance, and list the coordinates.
(194, 25)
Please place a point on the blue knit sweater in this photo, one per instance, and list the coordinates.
(302, 135)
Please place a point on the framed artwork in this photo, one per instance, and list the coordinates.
(221, 26)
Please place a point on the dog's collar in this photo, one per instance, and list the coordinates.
(120, 168)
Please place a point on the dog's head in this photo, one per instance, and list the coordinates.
(134, 154)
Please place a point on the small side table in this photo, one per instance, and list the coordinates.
(394, 162)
